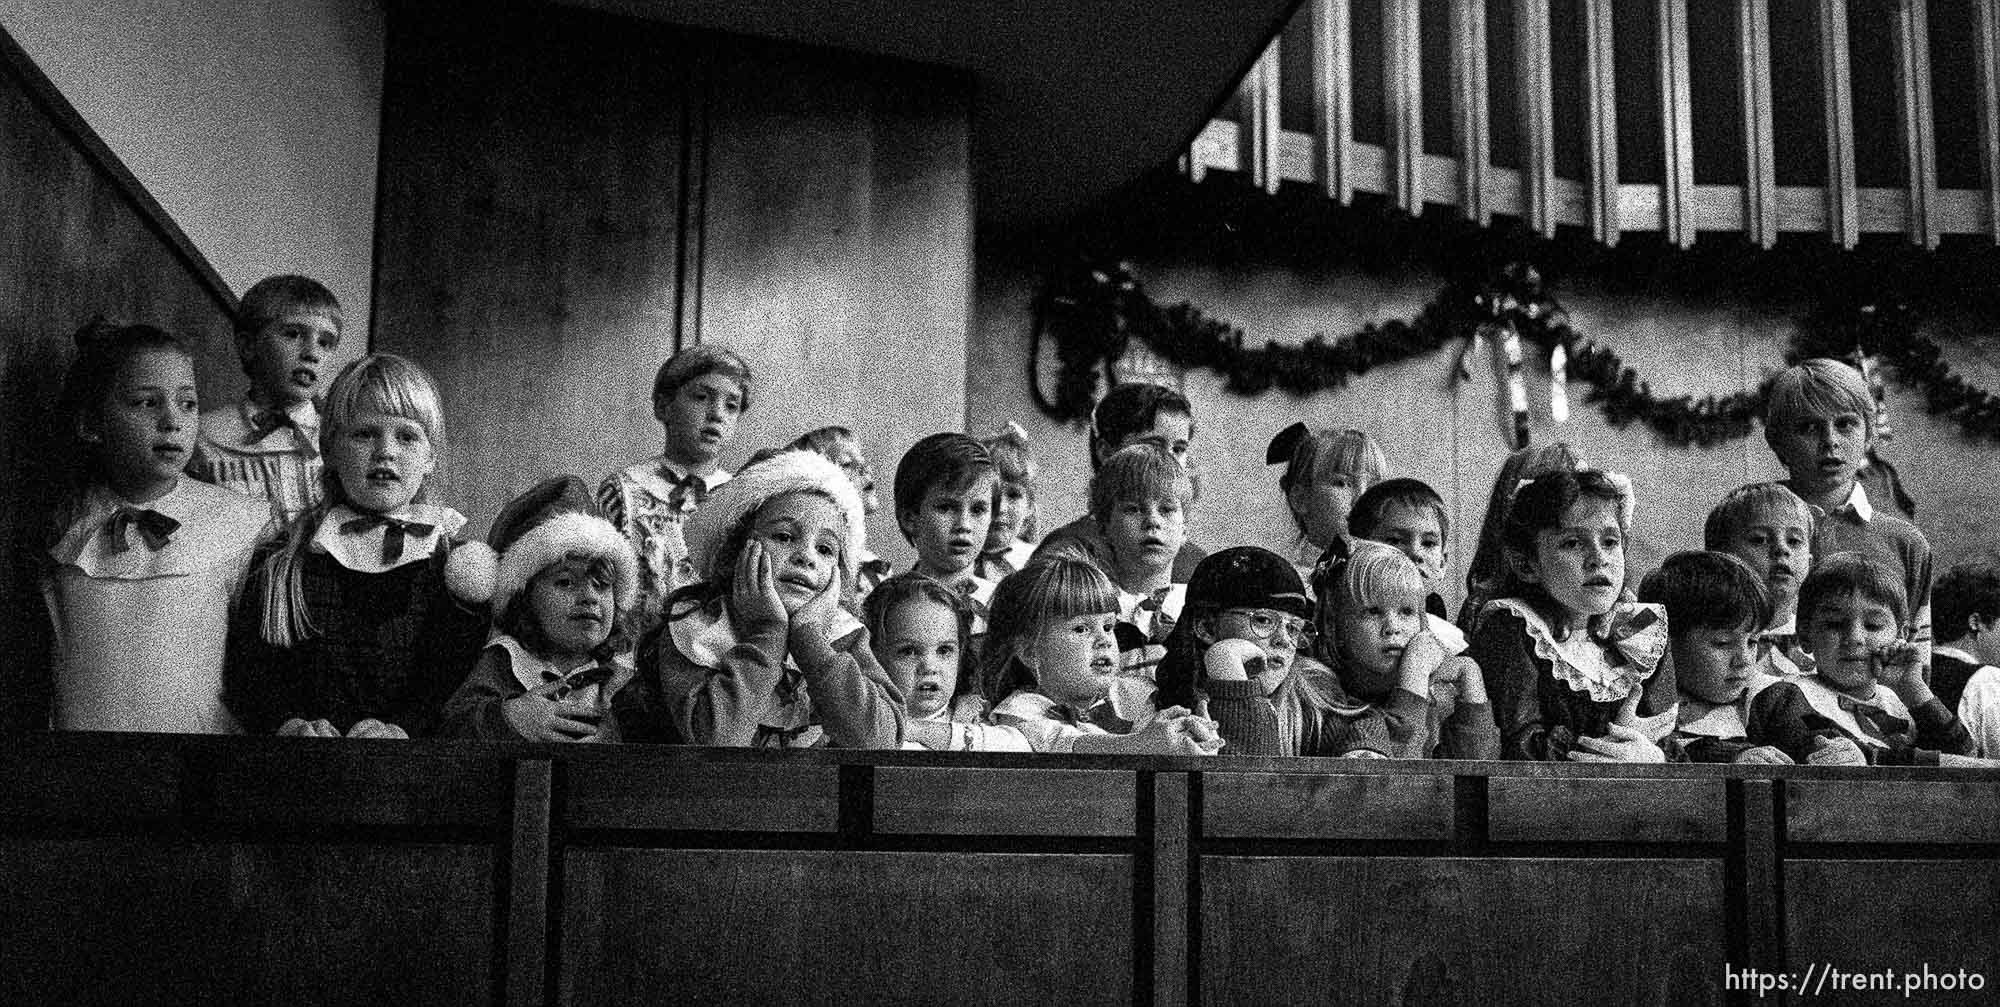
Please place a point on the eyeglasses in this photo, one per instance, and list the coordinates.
(1264, 624)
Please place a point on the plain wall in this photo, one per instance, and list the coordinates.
(253, 124)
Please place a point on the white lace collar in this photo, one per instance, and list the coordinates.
(704, 635)
(216, 525)
(531, 670)
(361, 551)
(1583, 661)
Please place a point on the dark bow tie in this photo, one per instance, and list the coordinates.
(875, 571)
(972, 604)
(1163, 622)
(156, 528)
(1622, 623)
(689, 493)
(1882, 720)
(578, 680)
(994, 565)
(395, 529)
(267, 421)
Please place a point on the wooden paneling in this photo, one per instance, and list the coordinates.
(1530, 809)
(1905, 811)
(713, 926)
(769, 797)
(1301, 806)
(527, 239)
(1004, 802)
(1892, 920)
(152, 921)
(78, 238)
(1394, 930)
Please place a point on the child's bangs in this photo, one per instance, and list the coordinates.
(1013, 463)
(1381, 575)
(391, 387)
(1146, 474)
(1350, 453)
(1769, 504)
(1819, 388)
(1065, 589)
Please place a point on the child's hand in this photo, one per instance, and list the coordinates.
(299, 728)
(754, 598)
(1175, 731)
(1763, 755)
(1899, 665)
(1421, 657)
(1621, 743)
(537, 716)
(1233, 661)
(1836, 752)
(816, 612)
(369, 727)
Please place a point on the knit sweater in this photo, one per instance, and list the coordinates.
(1403, 725)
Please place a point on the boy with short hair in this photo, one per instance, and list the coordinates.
(1868, 690)
(698, 396)
(1130, 414)
(1820, 421)
(1716, 608)
(944, 501)
(266, 444)
(1408, 514)
(1768, 527)
(1965, 662)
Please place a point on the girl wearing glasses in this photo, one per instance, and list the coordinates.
(1245, 642)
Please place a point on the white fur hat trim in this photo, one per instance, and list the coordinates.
(562, 535)
(786, 472)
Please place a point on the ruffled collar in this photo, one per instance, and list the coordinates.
(1609, 663)
(361, 551)
(707, 633)
(1024, 704)
(1843, 709)
(658, 476)
(216, 525)
(532, 671)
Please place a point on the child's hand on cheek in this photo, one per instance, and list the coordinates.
(815, 614)
(1421, 658)
(1233, 660)
(1899, 666)
(754, 599)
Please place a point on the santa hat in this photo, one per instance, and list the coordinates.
(784, 472)
(555, 519)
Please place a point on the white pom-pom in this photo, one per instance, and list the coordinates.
(471, 571)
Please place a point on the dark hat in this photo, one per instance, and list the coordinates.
(1248, 577)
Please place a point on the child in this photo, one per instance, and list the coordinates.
(1048, 664)
(144, 563)
(1716, 609)
(944, 501)
(1868, 688)
(1409, 515)
(558, 589)
(266, 444)
(1245, 642)
(1578, 673)
(1127, 415)
(1966, 603)
(840, 446)
(922, 633)
(1010, 538)
(1488, 572)
(1770, 528)
(1140, 500)
(698, 395)
(346, 627)
(1324, 471)
(1820, 423)
(761, 653)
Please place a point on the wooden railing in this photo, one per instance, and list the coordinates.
(154, 869)
(1669, 196)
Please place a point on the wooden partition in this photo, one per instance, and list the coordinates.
(145, 869)
(569, 196)
(79, 238)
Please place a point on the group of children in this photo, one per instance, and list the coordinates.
(277, 566)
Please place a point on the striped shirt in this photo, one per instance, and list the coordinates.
(281, 466)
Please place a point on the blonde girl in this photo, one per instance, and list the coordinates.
(1324, 471)
(347, 627)
(1010, 538)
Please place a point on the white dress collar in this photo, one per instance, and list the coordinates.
(1825, 701)
(704, 635)
(1579, 660)
(361, 552)
(529, 668)
(215, 526)
(658, 476)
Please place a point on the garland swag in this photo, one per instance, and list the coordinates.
(1092, 312)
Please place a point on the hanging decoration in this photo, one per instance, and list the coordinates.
(1091, 312)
